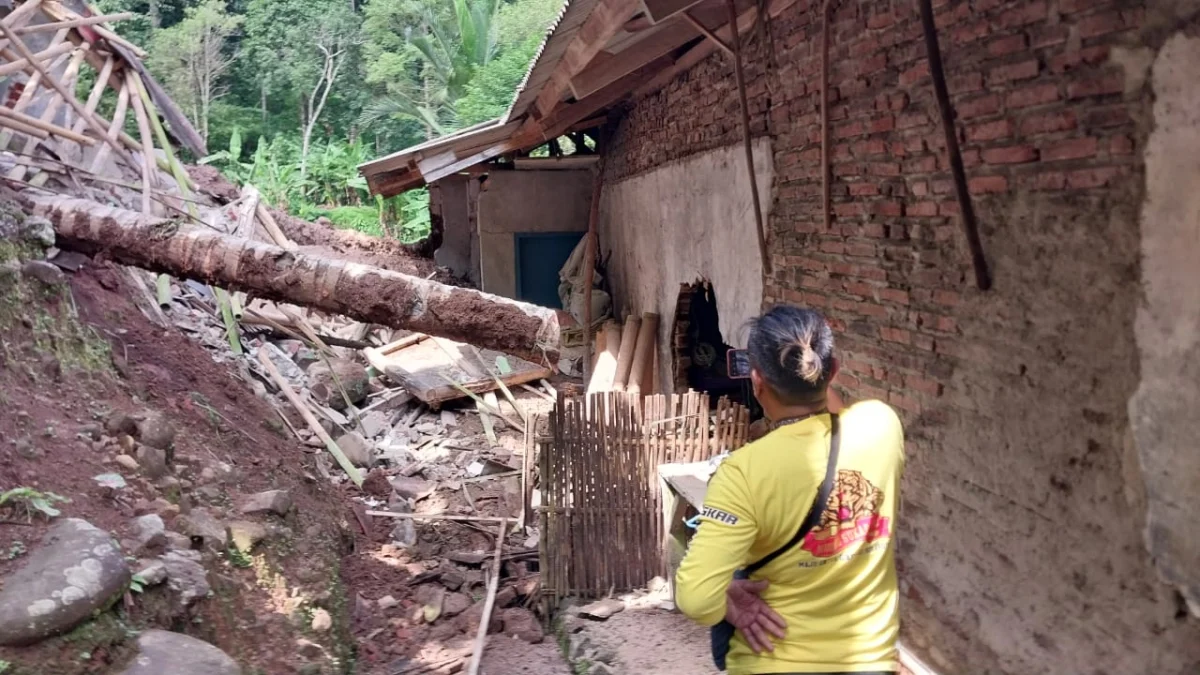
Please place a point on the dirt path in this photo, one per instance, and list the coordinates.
(650, 641)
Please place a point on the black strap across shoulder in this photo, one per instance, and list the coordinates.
(818, 506)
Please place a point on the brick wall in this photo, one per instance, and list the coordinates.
(1021, 547)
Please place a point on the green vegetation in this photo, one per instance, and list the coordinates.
(292, 95)
(28, 502)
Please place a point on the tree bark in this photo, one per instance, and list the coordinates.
(368, 294)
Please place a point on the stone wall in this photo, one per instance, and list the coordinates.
(1028, 488)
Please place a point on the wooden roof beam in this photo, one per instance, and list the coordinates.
(661, 10)
(602, 25)
(612, 67)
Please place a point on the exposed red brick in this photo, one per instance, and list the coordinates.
(880, 20)
(946, 324)
(1028, 13)
(978, 106)
(990, 131)
(926, 164)
(922, 209)
(1038, 94)
(1016, 71)
(873, 146)
(884, 169)
(919, 188)
(1062, 120)
(969, 33)
(1006, 45)
(887, 208)
(1091, 178)
(1096, 86)
(914, 74)
(864, 189)
(1050, 181)
(890, 334)
(1108, 22)
(947, 298)
(923, 385)
(894, 295)
(1075, 148)
(987, 184)
(1012, 154)
(965, 83)
(1107, 117)
(1120, 145)
(885, 123)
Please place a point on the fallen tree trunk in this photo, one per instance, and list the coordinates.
(361, 292)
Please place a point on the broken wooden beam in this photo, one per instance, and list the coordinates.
(361, 292)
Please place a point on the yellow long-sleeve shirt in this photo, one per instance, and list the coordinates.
(837, 589)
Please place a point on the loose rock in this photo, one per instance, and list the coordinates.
(161, 651)
(411, 488)
(150, 533)
(278, 502)
(455, 604)
(153, 461)
(404, 534)
(521, 623)
(328, 381)
(154, 429)
(321, 621)
(387, 602)
(356, 448)
(78, 569)
(602, 610)
(246, 534)
(126, 462)
(186, 576)
(153, 573)
(43, 272)
(201, 523)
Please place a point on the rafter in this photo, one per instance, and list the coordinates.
(661, 10)
(607, 68)
(604, 22)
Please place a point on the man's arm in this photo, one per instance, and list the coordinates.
(721, 546)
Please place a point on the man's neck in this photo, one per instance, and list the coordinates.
(794, 411)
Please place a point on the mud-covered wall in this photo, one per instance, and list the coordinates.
(1166, 423)
(1028, 490)
(450, 200)
(526, 201)
(682, 222)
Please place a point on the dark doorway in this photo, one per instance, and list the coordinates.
(539, 257)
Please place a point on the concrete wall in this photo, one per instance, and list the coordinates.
(526, 201)
(450, 199)
(1034, 486)
(1164, 411)
(681, 222)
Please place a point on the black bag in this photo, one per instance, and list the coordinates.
(722, 633)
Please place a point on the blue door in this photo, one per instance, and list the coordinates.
(540, 255)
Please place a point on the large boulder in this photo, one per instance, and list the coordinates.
(77, 570)
(161, 652)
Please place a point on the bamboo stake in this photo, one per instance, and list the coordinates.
(489, 604)
(272, 228)
(45, 126)
(74, 23)
(74, 103)
(97, 91)
(438, 516)
(309, 419)
(16, 65)
(735, 44)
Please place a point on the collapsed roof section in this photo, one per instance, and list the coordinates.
(598, 54)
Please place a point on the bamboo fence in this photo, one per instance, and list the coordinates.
(601, 503)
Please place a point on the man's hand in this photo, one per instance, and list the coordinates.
(749, 613)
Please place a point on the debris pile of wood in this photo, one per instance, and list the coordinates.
(626, 359)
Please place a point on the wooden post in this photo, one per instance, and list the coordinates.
(589, 260)
(736, 45)
(826, 170)
(983, 277)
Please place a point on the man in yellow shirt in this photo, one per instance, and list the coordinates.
(830, 600)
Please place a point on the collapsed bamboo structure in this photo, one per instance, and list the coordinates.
(368, 294)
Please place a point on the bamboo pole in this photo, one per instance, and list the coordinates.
(18, 64)
(114, 129)
(45, 127)
(489, 604)
(272, 228)
(310, 419)
(606, 362)
(74, 23)
(625, 356)
(646, 341)
(736, 44)
(589, 265)
(57, 86)
(31, 89)
(97, 91)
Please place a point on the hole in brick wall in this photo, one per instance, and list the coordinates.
(699, 350)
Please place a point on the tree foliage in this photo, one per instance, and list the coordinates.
(297, 93)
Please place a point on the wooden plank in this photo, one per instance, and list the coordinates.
(661, 10)
(489, 603)
(421, 366)
(612, 67)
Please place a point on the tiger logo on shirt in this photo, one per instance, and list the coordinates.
(851, 516)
